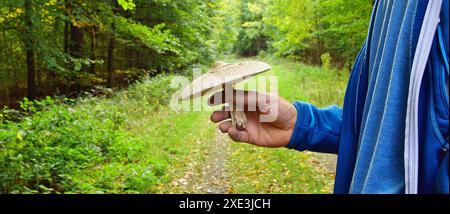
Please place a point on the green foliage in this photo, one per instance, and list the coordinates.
(49, 150)
(154, 91)
(126, 4)
(251, 38)
(292, 24)
(297, 29)
(156, 39)
(50, 147)
(72, 41)
(306, 29)
(30, 107)
(226, 30)
(325, 59)
(99, 145)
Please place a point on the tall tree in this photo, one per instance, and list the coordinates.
(110, 59)
(29, 42)
(93, 48)
(67, 12)
(76, 35)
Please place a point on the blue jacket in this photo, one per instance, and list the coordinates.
(368, 133)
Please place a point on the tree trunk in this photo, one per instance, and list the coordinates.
(138, 63)
(319, 51)
(29, 47)
(110, 62)
(51, 77)
(259, 44)
(130, 58)
(93, 46)
(68, 9)
(39, 72)
(76, 34)
(76, 46)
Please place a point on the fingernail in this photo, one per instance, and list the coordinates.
(264, 108)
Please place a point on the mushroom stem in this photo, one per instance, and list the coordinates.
(238, 118)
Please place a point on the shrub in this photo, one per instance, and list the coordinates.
(47, 148)
(325, 60)
(154, 92)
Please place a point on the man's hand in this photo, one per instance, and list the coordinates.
(266, 134)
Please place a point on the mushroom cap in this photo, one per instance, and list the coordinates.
(222, 73)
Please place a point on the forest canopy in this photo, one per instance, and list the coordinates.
(50, 47)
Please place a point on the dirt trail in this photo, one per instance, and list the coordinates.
(213, 178)
(326, 161)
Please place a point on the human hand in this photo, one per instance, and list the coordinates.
(266, 134)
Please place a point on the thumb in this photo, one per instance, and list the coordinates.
(237, 135)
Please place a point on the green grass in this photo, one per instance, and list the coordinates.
(133, 143)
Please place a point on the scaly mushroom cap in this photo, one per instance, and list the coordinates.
(222, 73)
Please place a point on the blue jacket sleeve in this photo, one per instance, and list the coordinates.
(316, 129)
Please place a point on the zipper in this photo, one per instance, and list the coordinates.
(411, 154)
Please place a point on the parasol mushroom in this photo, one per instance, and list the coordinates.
(225, 75)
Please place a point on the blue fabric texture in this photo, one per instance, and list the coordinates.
(319, 129)
(368, 133)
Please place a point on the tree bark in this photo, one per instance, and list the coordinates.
(51, 77)
(76, 33)
(68, 11)
(110, 62)
(77, 38)
(130, 58)
(29, 47)
(93, 47)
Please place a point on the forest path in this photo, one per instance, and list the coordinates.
(213, 178)
(325, 161)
